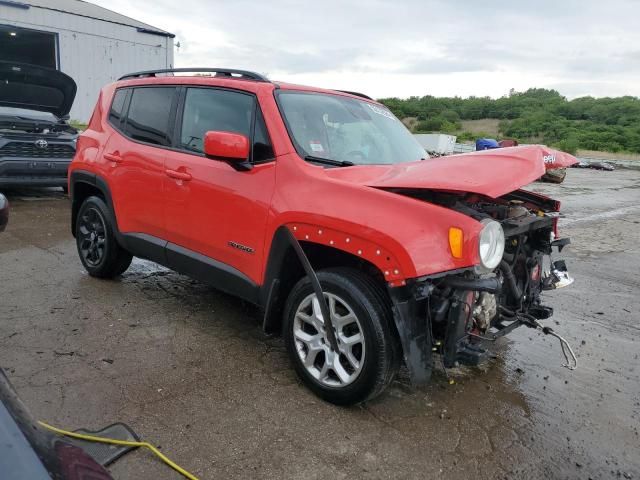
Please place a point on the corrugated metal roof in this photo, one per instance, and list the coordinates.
(89, 10)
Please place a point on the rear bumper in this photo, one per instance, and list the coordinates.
(43, 172)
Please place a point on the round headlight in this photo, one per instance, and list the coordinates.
(491, 244)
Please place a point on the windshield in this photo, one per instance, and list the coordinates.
(346, 130)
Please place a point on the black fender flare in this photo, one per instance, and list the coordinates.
(270, 292)
(99, 183)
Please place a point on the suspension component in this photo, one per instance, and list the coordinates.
(567, 351)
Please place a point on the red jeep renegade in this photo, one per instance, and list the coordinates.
(320, 207)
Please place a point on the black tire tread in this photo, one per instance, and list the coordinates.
(385, 300)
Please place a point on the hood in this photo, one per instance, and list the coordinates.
(36, 88)
(491, 172)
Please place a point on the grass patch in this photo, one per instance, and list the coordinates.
(484, 126)
(78, 125)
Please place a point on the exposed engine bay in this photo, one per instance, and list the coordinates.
(467, 309)
(13, 124)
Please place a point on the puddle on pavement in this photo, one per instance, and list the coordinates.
(141, 267)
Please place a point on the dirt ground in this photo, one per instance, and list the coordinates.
(190, 370)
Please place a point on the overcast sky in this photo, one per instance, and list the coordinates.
(407, 47)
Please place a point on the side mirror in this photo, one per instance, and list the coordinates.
(229, 147)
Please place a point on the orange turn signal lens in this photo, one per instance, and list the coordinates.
(456, 240)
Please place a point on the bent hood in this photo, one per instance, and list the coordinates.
(490, 172)
(36, 88)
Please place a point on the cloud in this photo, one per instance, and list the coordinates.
(411, 47)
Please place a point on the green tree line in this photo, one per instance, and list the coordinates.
(535, 116)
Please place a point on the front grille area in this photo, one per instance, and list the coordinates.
(31, 150)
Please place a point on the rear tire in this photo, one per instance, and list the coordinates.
(98, 248)
(360, 311)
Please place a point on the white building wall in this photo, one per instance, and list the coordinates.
(94, 52)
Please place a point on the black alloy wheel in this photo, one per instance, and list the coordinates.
(92, 236)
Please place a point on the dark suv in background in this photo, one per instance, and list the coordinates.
(36, 141)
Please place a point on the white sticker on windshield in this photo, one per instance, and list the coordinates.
(381, 111)
(316, 146)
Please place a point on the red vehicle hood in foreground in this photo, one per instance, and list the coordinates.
(490, 172)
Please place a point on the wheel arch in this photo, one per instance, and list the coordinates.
(284, 269)
(84, 184)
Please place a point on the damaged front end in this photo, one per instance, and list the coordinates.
(456, 313)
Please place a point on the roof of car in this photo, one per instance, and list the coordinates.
(239, 83)
(249, 83)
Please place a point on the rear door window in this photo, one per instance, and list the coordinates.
(149, 115)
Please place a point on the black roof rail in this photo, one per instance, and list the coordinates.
(220, 72)
(357, 94)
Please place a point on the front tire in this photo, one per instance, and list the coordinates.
(98, 249)
(368, 356)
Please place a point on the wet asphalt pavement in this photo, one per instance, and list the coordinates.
(190, 370)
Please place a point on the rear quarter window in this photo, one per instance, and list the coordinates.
(117, 107)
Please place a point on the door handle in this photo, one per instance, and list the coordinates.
(113, 157)
(178, 175)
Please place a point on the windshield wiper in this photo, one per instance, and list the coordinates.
(329, 161)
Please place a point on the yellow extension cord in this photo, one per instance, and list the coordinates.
(113, 441)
